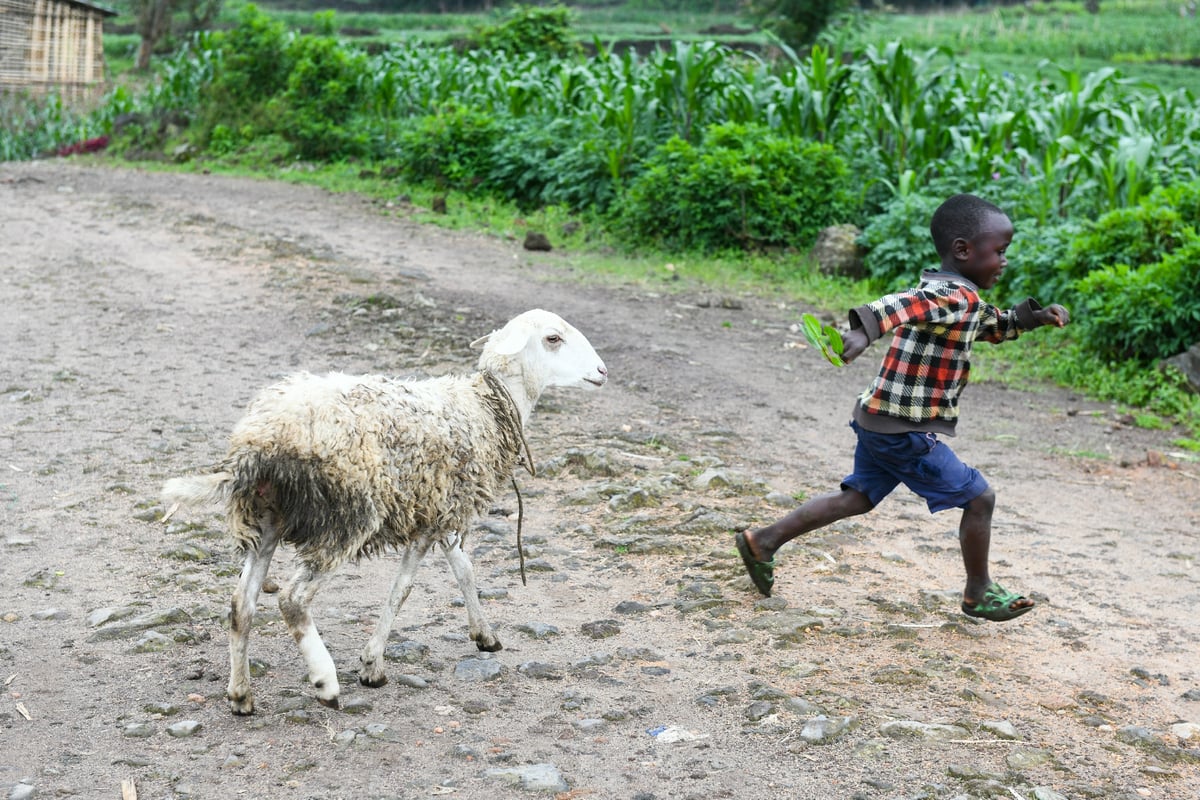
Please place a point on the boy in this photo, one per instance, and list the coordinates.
(914, 398)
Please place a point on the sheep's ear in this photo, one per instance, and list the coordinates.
(480, 342)
(509, 340)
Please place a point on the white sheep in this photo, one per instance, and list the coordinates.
(342, 467)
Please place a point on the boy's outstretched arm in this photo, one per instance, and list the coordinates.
(1053, 314)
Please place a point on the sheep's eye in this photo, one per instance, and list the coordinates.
(554, 338)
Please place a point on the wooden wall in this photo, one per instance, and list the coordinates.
(50, 45)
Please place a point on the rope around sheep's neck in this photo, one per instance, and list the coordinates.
(508, 415)
(509, 418)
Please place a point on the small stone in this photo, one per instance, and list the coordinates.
(1001, 729)
(377, 730)
(143, 622)
(1136, 735)
(406, 652)
(631, 607)
(344, 738)
(161, 709)
(757, 711)
(589, 725)
(357, 705)
(538, 630)
(593, 660)
(533, 777)
(822, 729)
(912, 729)
(189, 552)
(477, 670)
(537, 241)
(1046, 793)
(138, 730)
(103, 616)
(540, 670)
(1186, 731)
(184, 729)
(153, 642)
(411, 681)
(601, 629)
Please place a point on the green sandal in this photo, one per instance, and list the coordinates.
(996, 605)
(762, 573)
(823, 337)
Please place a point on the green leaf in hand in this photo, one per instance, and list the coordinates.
(825, 338)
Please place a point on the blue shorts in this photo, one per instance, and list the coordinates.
(882, 461)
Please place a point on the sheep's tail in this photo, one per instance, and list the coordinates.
(198, 490)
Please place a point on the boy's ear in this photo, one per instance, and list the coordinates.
(961, 248)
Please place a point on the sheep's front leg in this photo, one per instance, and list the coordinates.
(241, 616)
(481, 632)
(295, 604)
(372, 673)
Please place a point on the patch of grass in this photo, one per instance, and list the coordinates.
(1088, 454)
(1151, 422)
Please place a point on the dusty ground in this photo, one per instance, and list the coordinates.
(138, 314)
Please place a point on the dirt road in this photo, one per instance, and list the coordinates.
(139, 313)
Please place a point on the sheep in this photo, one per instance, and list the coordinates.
(343, 467)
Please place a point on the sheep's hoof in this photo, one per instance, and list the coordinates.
(242, 706)
(330, 703)
(489, 645)
(374, 683)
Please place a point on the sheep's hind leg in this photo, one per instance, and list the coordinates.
(481, 632)
(294, 604)
(241, 616)
(372, 673)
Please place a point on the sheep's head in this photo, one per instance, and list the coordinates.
(544, 349)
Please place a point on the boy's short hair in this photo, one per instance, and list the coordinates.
(960, 217)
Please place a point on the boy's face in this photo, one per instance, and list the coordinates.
(981, 260)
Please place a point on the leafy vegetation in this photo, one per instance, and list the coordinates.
(545, 31)
(700, 149)
(743, 186)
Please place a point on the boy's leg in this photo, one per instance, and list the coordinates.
(815, 513)
(975, 538)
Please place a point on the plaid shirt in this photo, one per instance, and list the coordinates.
(928, 362)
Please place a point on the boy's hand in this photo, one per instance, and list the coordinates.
(1053, 314)
(854, 341)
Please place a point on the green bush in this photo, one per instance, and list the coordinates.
(1185, 199)
(1034, 265)
(451, 149)
(529, 29)
(552, 161)
(1145, 312)
(250, 67)
(1135, 236)
(317, 109)
(742, 188)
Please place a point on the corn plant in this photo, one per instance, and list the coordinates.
(807, 99)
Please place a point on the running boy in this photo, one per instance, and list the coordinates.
(914, 399)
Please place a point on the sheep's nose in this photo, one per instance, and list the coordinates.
(603, 370)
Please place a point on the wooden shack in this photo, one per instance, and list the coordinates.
(52, 46)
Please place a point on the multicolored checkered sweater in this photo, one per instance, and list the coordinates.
(928, 362)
